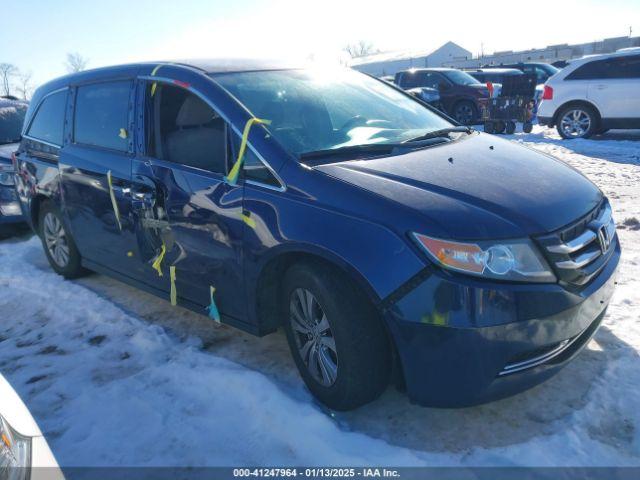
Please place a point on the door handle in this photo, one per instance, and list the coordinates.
(601, 87)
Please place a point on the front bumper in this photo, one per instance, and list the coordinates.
(463, 342)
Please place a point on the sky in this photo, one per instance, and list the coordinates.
(121, 31)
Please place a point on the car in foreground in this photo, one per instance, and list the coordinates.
(12, 113)
(390, 244)
(460, 93)
(593, 94)
(24, 452)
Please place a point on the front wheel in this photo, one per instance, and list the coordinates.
(58, 244)
(577, 121)
(336, 338)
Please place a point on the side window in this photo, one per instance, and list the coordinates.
(253, 168)
(588, 71)
(182, 128)
(102, 115)
(432, 80)
(623, 67)
(48, 122)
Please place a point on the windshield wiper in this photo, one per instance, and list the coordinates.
(443, 132)
(366, 148)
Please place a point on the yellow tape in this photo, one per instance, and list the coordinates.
(212, 308)
(232, 178)
(114, 203)
(248, 220)
(174, 293)
(157, 263)
(153, 87)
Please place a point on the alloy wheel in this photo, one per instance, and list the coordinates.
(56, 240)
(464, 114)
(313, 336)
(575, 123)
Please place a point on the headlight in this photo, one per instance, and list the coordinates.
(514, 260)
(15, 453)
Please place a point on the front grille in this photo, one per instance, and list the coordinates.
(578, 252)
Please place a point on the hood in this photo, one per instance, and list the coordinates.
(478, 187)
(6, 151)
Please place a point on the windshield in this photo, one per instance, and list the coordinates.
(459, 77)
(11, 118)
(312, 110)
(550, 69)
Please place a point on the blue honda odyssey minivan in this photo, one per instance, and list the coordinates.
(392, 245)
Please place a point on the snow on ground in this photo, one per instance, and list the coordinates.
(117, 376)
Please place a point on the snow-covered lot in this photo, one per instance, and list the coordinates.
(116, 376)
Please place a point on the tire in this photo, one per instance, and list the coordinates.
(346, 332)
(59, 246)
(577, 121)
(499, 127)
(465, 112)
(602, 131)
(527, 127)
(488, 127)
(510, 127)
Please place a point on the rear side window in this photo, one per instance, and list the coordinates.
(48, 122)
(588, 71)
(623, 67)
(102, 113)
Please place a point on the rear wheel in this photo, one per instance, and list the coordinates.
(58, 244)
(527, 127)
(336, 338)
(577, 121)
(499, 127)
(510, 127)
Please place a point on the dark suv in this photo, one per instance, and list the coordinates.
(12, 113)
(541, 70)
(388, 243)
(459, 92)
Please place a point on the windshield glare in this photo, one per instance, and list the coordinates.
(313, 110)
(11, 118)
(460, 78)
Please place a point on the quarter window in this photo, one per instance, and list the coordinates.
(182, 128)
(102, 115)
(48, 122)
(253, 168)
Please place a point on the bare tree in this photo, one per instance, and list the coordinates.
(75, 62)
(7, 71)
(360, 49)
(24, 86)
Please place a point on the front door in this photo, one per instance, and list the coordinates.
(194, 223)
(95, 173)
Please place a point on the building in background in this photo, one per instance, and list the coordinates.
(389, 63)
(453, 55)
(550, 54)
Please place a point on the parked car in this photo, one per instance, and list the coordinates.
(543, 71)
(24, 452)
(493, 75)
(593, 94)
(12, 114)
(387, 242)
(460, 93)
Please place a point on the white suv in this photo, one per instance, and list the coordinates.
(593, 94)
